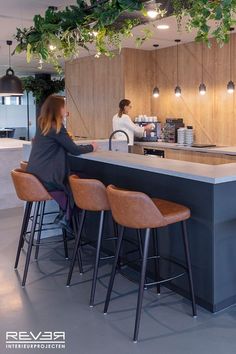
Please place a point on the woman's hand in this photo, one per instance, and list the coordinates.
(149, 127)
(95, 146)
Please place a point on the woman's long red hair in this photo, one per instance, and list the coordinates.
(50, 114)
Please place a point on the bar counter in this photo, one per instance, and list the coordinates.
(210, 193)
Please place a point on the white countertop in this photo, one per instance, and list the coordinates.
(223, 150)
(103, 144)
(7, 143)
(214, 174)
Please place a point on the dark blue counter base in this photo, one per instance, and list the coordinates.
(212, 228)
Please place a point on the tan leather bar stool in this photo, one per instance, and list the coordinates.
(136, 210)
(30, 190)
(42, 214)
(89, 195)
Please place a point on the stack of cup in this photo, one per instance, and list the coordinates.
(181, 136)
(189, 136)
(185, 136)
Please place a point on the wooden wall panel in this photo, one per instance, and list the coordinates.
(138, 71)
(212, 115)
(93, 88)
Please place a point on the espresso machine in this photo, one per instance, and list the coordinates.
(152, 135)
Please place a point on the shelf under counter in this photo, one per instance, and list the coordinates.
(212, 155)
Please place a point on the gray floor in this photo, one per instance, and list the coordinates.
(46, 304)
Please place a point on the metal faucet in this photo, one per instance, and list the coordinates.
(112, 134)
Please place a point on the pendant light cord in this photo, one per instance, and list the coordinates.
(230, 57)
(202, 62)
(177, 64)
(9, 56)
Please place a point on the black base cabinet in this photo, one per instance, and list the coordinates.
(211, 229)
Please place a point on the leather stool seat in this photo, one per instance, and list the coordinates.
(172, 212)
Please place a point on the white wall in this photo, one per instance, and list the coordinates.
(13, 116)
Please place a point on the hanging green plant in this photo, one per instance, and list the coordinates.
(210, 18)
(60, 35)
(42, 88)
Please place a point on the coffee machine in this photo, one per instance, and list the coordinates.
(170, 129)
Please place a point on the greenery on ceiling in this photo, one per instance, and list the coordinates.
(60, 35)
(42, 88)
(210, 18)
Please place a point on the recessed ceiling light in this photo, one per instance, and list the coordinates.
(152, 13)
(163, 27)
(155, 45)
(52, 47)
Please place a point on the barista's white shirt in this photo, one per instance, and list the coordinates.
(125, 123)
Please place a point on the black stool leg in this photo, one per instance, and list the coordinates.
(157, 260)
(140, 245)
(96, 265)
(113, 273)
(41, 216)
(188, 261)
(76, 248)
(64, 235)
(141, 285)
(31, 240)
(24, 226)
(75, 224)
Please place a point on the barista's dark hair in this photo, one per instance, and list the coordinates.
(123, 103)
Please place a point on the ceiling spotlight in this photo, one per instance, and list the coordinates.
(152, 14)
(163, 27)
(177, 91)
(202, 89)
(156, 92)
(155, 45)
(52, 47)
(230, 87)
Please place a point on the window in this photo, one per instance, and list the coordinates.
(13, 100)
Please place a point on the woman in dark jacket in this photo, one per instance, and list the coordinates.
(48, 158)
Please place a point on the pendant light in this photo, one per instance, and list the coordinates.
(10, 85)
(230, 85)
(156, 91)
(178, 88)
(202, 86)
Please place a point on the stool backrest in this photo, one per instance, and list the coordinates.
(134, 209)
(89, 194)
(23, 165)
(28, 187)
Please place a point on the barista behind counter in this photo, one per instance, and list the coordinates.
(122, 121)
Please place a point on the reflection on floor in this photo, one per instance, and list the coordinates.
(46, 304)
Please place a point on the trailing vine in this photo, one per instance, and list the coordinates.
(211, 18)
(60, 35)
